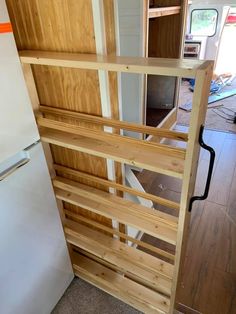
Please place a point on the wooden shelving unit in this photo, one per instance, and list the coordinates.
(103, 257)
(75, 100)
(163, 11)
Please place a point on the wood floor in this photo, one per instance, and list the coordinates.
(209, 279)
(213, 120)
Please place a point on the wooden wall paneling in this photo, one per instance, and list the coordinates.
(164, 37)
(65, 26)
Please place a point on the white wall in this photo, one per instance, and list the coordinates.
(131, 37)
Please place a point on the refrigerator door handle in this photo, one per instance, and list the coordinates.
(9, 170)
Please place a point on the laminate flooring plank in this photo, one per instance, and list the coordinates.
(170, 195)
(223, 176)
(158, 182)
(157, 243)
(201, 257)
(199, 189)
(231, 208)
(226, 261)
(222, 294)
(215, 140)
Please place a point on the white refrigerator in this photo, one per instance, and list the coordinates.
(35, 267)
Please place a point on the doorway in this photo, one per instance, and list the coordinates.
(221, 113)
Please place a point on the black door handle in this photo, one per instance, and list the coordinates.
(210, 170)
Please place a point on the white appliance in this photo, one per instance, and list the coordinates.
(35, 267)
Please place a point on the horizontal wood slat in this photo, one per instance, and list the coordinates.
(112, 231)
(138, 128)
(129, 153)
(163, 11)
(119, 187)
(156, 66)
(155, 273)
(153, 222)
(109, 137)
(130, 292)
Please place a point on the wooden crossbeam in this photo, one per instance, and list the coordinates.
(120, 187)
(163, 11)
(156, 66)
(134, 127)
(129, 153)
(109, 137)
(140, 243)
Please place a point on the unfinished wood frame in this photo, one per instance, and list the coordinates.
(75, 127)
(161, 158)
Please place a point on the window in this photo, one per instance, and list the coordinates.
(203, 22)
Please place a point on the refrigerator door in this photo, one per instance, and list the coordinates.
(17, 125)
(35, 267)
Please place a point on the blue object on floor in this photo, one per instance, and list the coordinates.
(213, 89)
(222, 95)
(192, 82)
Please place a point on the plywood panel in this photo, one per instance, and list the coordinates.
(165, 41)
(162, 45)
(57, 25)
(63, 26)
